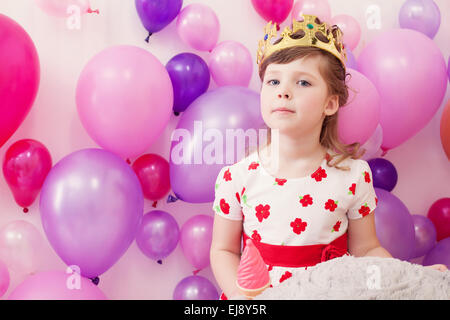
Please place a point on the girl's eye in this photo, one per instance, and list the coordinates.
(304, 83)
(273, 82)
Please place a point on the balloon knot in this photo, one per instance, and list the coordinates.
(176, 113)
(385, 151)
(95, 280)
(159, 261)
(171, 198)
(89, 10)
(25, 210)
(154, 204)
(148, 37)
(196, 271)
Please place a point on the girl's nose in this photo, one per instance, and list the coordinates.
(284, 95)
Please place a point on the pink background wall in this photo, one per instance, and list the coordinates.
(423, 169)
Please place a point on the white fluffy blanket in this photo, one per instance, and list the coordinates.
(361, 279)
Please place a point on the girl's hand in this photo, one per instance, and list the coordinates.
(439, 267)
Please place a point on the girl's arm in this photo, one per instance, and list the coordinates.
(225, 253)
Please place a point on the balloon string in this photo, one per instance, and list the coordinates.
(148, 37)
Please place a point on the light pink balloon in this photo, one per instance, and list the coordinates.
(20, 247)
(359, 118)
(230, 63)
(198, 26)
(56, 285)
(350, 28)
(195, 240)
(60, 8)
(4, 278)
(319, 8)
(373, 145)
(410, 74)
(124, 99)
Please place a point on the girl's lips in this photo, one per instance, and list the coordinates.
(283, 110)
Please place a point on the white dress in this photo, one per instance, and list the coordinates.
(294, 212)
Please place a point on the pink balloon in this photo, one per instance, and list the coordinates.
(4, 278)
(373, 145)
(56, 285)
(62, 8)
(19, 76)
(124, 99)
(198, 26)
(359, 118)
(195, 240)
(350, 28)
(20, 247)
(25, 167)
(319, 8)
(273, 10)
(231, 63)
(411, 81)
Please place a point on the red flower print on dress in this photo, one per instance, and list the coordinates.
(364, 210)
(253, 166)
(336, 226)
(331, 205)
(224, 206)
(366, 176)
(306, 200)
(262, 212)
(376, 200)
(270, 268)
(298, 226)
(285, 276)
(237, 197)
(227, 175)
(319, 174)
(352, 189)
(256, 236)
(280, 182)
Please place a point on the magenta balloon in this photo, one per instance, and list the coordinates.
(425, 234)
(440, 254)
(273, 10)
(439, 214)
(195, 288)
(420, 15)
(408, 102)
(193, 175)
(91, 208)
(56, 285)
(124, 99)
(158, 234)
(19, 76)
(394, 225)
(195, 240)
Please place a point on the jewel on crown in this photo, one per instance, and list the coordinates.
(315, 34)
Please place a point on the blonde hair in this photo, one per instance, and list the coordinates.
(334, 74)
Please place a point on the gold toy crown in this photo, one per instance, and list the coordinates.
(316, 34)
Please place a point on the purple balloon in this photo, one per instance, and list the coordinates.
(193, 175)
(158, 234)
(91, 207)
(425, 235)
(195, 288)
(157, 14)
(190, 79)
(195, 240)
(420, 15)
(384, 173)
(351, 60)
(440, 254)
(394, 225)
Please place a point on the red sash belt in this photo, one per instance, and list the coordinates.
(300, 256)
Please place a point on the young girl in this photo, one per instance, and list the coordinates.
(298, 206)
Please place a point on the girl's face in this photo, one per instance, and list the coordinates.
(294, 96)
